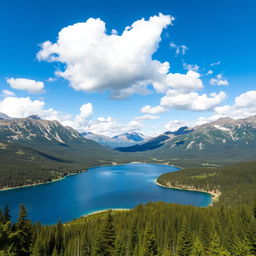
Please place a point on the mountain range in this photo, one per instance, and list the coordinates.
(42, 149)
(223, 141)
(155, 142)
(122, 140)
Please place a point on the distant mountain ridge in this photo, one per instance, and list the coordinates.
(4, 116)
(122, 140)
(155, 142)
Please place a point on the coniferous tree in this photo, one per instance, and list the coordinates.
(55, 252)
(241, 247)
(6, 217)
(36, 251)
(150, 244)
(254, 210)
(205, 233)
(120, 248)
(59, 238)
(216, 248)
(166, 252)
(24, 229)
(86, 247)
(198, 249)
(133, 240)
(106, 242)
(185, 241)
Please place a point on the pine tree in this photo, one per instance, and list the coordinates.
(86, 247)
(205, 233)
(133, 240)
(106, 242)
(241, 247)
(215, 248)
(119, 248)
(185, 241)
(36, 251)
(6, 217)
(55, 252)
(166, 252)
(254, 210)
(150, 244)
(24, 229)
(59, 238)
(198, 249)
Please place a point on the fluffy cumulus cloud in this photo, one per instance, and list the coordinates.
(122, 63)
(192, 101)
(219, 80)
(181, 92)
(109, 126)
(81, 120)
(244, 106)
(25, 84)
(152, 110)
(174, 125)
(23, 107)
(95, 60)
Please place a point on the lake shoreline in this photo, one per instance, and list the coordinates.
(79, 172)
(106, 210)
(214, 194)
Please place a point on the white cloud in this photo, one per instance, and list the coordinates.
(179, 49)
(193, 67)
(181, 93)
(7, 93)
(181, 82)
(81, 120)
(152, 110)
(24, 84)
(219, 80)
(97, 61)
(146, 117)
(192, 101)
(23, 107)
(174, 125)
(209, 72)
(215, 63)
(114, 32)
(244, 106)
(109, 126)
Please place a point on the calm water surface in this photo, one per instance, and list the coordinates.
(119, 186)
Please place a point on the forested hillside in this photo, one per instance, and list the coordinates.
(237, 183)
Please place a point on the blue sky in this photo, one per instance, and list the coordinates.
(210, 48)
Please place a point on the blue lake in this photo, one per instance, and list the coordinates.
(118, 186)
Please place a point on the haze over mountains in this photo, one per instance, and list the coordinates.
(155, 142)
(122, 140)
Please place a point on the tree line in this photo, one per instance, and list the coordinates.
(159, 229)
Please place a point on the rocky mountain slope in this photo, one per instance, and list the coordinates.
(222, 141)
